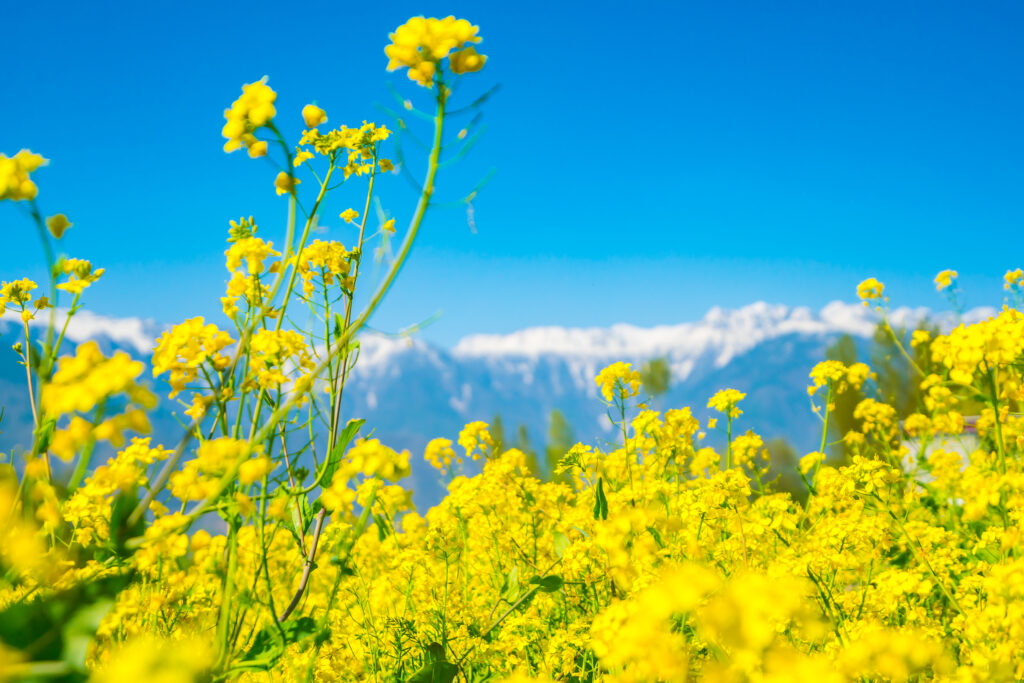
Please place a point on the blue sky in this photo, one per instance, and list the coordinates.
(651, 161)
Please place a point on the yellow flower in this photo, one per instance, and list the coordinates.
(15, 183)
(313, 115)
(944, 279)
(253, 470)
(373, 459)
(285, 184)
(58, 224)
(148, 659)
(810, 461)
(250, 112)
(258, 149)
(338, 495)
(440, 455)
(420, 44)
(1013, 278)
(253, 250)
(726, 400)
(16, 292)
(82, 275)
(467, 60)
(83, 380)
(870, 289)
(389, 226)
(272, 352)
(474, 436)
(182, 350)
(618, 380)
(329, 260)
(349, 215)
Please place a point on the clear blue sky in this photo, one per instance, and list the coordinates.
(652, 161)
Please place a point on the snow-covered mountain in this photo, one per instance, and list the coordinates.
(411, 391)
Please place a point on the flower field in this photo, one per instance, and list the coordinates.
(276, 542)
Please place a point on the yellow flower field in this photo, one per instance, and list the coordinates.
(658, 559)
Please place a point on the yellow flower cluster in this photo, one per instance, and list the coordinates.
(359, 144)
(81, 275)
(328, 260)
(653, 559)
(475, 438)
(832, 373)
(727, 401)
(618, 381)
(253, 251)
(273, 353)
(944, 280)
(1013, 278)
(15, 183)
(250, 112)
(420, 44)
(88, 377)
(870, 290)
(182, 351)
(987, 346)
(440, 454)
(19, 293)
(371, 458)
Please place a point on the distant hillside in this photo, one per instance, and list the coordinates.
(410, 391)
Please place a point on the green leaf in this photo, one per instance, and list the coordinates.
(120, 529)
(268, 645)
(302, 515)
(44, 435)
(562, 543)
(60, 626)
(80, 630)
(510, 587)
(436, 669)
(548, 584)
(336, 454)
(600, 502)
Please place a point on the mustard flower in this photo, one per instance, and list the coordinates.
(272, 353)
(253, 250)
(475, 438)
(17, 292)
(183, 349)
(618, 380)
(420, 44)
(726, 401)
(1013, 278)
(255, 469)
(313, 116)
(945, 279)
(250, 112)
(330, 260)
(88, 377)
(81, 275)
(467, 60)
(870, 289)
(58, 225)
(373, 459)
(15, 183)
(285, 184)
(440, 455)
